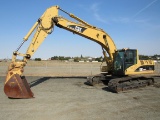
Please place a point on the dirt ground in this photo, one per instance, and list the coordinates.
(71, 99)
(68, 98)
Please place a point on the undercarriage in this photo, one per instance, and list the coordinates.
(122, 83)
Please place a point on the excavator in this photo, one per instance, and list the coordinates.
(123, 69)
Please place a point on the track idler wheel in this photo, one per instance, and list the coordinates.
(17, 87)
(93, 80)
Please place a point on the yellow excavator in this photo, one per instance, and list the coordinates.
(123, 68)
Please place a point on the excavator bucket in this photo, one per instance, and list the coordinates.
(17, 87)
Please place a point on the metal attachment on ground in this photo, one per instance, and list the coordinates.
(17, 87)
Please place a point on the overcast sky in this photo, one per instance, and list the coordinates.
(130, 23)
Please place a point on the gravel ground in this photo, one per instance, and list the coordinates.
(70, 99)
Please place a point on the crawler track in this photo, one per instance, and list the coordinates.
(129, 82)
(117, 84)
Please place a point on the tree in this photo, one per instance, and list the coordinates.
(99, 59)
(76, 59)
(81, 56)
(144, 57)
(37, 59)
(60, 58)
(55, 58)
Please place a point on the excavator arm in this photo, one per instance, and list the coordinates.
(90, 32)
(16, 85)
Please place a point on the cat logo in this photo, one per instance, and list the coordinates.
(77, 28)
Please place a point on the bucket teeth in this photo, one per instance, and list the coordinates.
(17, 87)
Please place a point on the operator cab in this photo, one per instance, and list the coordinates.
(123, 59)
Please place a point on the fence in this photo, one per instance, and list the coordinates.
(56, 68)
(59, 68)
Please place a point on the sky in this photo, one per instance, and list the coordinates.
(133, 24)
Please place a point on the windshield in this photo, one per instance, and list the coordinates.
(130, 58)
(123, 60)
(118, 63)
